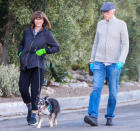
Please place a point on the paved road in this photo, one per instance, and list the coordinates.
(127, 119)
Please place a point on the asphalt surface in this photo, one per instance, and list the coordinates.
(127, 119)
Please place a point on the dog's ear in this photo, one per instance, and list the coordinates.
(47, 102)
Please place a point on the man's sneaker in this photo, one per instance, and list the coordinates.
(33, 119)
(29, 106)
(109, 122)
(91, 120)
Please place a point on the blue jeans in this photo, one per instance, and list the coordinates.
(100, 72)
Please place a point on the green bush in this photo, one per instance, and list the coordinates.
(9, 76)
(56, 73)
(73, 25)
(13, 57)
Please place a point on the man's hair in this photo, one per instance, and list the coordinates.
(113, 10)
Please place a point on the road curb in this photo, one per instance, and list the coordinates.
(18, 107)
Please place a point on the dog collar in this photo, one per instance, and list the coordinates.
(49, 107)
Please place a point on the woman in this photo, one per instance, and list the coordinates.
(37, 41)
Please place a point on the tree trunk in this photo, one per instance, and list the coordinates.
(4, 55)
(139, 74)
(7, 38)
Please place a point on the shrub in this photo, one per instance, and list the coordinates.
(9, 76)
(56, 73)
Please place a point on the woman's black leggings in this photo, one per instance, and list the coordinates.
(35, 78)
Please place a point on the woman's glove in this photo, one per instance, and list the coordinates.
(120, 65)
(40, 52)
(91, 66)
(20, 53)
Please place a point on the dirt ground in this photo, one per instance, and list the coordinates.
(75, 92)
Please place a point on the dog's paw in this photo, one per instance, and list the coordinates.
(38, 127)
(51, 124)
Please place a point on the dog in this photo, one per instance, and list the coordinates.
(49, 106)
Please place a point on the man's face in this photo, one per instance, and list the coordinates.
(108, 15)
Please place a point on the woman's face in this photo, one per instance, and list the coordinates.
(39, 22)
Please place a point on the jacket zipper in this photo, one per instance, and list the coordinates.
(106, 41)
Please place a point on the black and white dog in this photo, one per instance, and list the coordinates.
(49, 106)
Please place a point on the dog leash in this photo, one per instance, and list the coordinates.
(34, 34)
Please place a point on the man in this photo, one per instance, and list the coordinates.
(109, 52)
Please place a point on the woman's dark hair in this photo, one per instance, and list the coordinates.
(40, 14)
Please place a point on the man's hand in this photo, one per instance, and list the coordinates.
(91, 66)
(119, 65)
(40, 52)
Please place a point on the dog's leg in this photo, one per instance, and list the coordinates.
(40, 121)
(52, 119)
(51, 122)
(55, 122)
(55, 119)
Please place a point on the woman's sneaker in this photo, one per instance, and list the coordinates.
(33, 119)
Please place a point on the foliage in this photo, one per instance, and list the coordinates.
(13, 57)
(51, 73)
(4, 16)
(127, 11)
(9, 76)
(73, 25)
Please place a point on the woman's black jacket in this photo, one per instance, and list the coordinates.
(30, 44)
